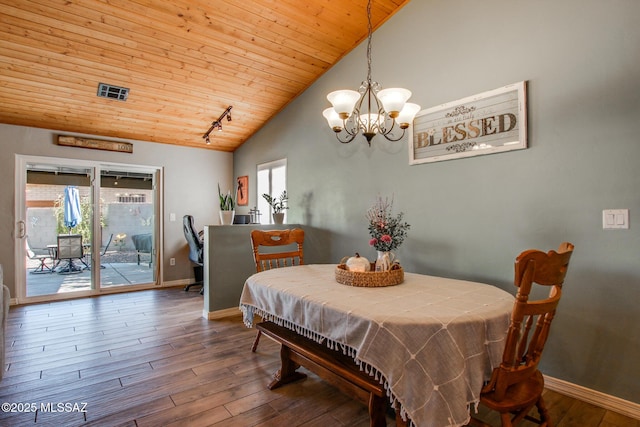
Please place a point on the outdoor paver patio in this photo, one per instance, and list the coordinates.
(114, 274)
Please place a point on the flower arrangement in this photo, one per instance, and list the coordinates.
(226, 201)
(277, 204)
(387, 232)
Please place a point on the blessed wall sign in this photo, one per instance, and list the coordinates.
(490, 122)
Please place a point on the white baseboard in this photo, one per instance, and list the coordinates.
(612, 403)
(219, 314)
(175, 283)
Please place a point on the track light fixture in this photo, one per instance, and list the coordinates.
(217, 124)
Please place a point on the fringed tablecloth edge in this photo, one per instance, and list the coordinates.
(249, 311)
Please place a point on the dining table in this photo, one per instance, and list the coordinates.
(431, 341)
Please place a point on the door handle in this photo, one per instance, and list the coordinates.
(21, 230)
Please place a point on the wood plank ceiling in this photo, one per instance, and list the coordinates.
(185, 62)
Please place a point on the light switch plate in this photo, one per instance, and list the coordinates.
(615, 219)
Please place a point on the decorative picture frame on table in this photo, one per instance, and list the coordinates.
(242, 192)
(490, 122)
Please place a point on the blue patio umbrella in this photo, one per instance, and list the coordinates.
(72, 212)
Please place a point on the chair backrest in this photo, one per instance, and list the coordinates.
(195, 244)
(267, 259)
(30, 252)
(69, 246)
(525, 342)
(143, 242)
(106, 248)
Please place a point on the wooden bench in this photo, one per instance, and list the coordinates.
(333, 366)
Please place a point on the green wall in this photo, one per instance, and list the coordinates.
(471, 217)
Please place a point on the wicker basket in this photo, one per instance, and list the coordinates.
(369, 279)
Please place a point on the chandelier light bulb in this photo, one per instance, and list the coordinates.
(370, 125)
(405, 118)
(393, 100)
(370, 121)
(343, 102)
(334, 120)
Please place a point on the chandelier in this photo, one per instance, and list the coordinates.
(370, 110)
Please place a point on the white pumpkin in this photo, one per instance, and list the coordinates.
(358, 263)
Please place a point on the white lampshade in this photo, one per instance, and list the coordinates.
(343, 102)
(393, 100)
(334, 120)
(405, 118)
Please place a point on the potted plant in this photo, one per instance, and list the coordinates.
(278, 205)
(227, 207)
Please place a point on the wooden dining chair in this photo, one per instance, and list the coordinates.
(265, 245)
(516, 385)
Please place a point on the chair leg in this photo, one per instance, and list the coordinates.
(256, 341)
(42, 268)
(198, 272)
(86, 266)
(510, 419)
(505, 417)
(187, 287)
(545, 419)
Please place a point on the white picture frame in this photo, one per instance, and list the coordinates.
(490, 122)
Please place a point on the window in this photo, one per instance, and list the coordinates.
(272, 179)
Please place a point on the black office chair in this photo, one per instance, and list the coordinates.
(196, 249)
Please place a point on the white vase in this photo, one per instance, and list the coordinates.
(226, 217)
(384, 260)
(278, 218)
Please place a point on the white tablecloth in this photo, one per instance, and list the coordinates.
(432, 341)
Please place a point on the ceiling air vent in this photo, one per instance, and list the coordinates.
(113, 92)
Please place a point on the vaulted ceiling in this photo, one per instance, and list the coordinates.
(183, 61)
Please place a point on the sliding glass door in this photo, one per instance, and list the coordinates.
(78, 235)
(127, 223)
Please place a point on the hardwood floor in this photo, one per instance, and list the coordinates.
(149, 359)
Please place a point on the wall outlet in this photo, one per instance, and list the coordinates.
(172, 261)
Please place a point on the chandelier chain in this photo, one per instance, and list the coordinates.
(369, 36)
